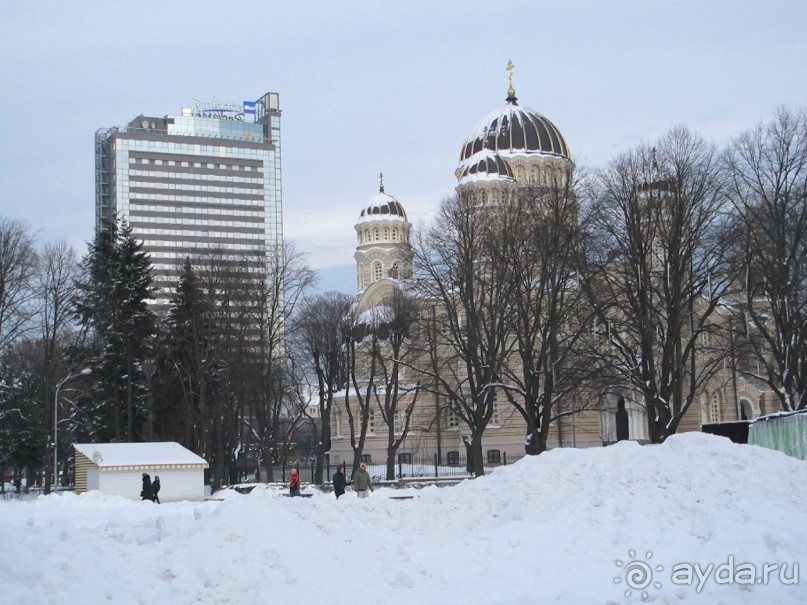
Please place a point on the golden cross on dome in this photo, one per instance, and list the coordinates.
(510, 67)
(381, 178)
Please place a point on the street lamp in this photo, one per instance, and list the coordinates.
(67, 378)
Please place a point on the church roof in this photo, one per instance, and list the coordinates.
(382, 206)
(515, 131)
(485, 165)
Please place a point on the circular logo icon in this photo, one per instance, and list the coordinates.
(638, 574)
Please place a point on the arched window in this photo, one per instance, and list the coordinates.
(386, 235)
(378, 270)
(377, 235)
(395, 273)
(394, 235)
(361, 276)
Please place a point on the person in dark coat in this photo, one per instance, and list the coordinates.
(622, 428)
(155, 488)
(339, 481)
(146, 493)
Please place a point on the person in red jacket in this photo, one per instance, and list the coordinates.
(294, 485)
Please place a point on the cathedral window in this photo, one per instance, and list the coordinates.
(386, 235)
(397, 422)
(378, 270)
(714, 407)
(394, 235)
(370, 421)
(494, 418)
(377, 235)
(453, 419)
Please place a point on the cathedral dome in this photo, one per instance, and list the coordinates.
(485, 165)
(515, 131)
(381, 207)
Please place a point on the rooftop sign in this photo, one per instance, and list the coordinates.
(223, 111)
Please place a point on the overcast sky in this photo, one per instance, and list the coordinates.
(369, 87)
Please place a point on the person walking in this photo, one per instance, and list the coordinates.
(362, 482)
(146, 493)
(155, 488)
(294, 484)
(339, 481)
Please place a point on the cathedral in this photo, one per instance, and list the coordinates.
(510, 150)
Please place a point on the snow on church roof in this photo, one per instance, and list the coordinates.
(138, 454)
(382, 206)
(484, 165)
(515, 131)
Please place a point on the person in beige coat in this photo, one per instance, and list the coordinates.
(362, 484)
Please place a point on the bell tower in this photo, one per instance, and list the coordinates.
(382, 233)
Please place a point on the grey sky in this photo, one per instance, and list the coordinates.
(367, 87)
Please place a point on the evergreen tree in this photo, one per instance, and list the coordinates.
(185, 364)
(22, 432)
(115, 306)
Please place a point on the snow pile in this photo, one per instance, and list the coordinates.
(569, 527)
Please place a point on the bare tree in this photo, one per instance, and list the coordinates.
(387, 330)
(230, 285)
(543, 255)
(361, 361)
(18, 266)
(767, 170)
(459, 263)
(287, 278)
(318, 333)
(655, 273)
(56, 287)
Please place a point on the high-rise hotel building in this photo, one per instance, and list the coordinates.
(205, 182)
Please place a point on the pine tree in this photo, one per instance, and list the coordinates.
(22, 432)
(186, 363)
(115, 307)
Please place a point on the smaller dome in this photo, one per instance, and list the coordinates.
(485, 165)
(382, 207)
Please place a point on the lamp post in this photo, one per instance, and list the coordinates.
(67, 378)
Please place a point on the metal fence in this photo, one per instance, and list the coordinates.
(406, 467)
(449, 467)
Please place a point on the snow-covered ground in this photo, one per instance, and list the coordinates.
(695, 520)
